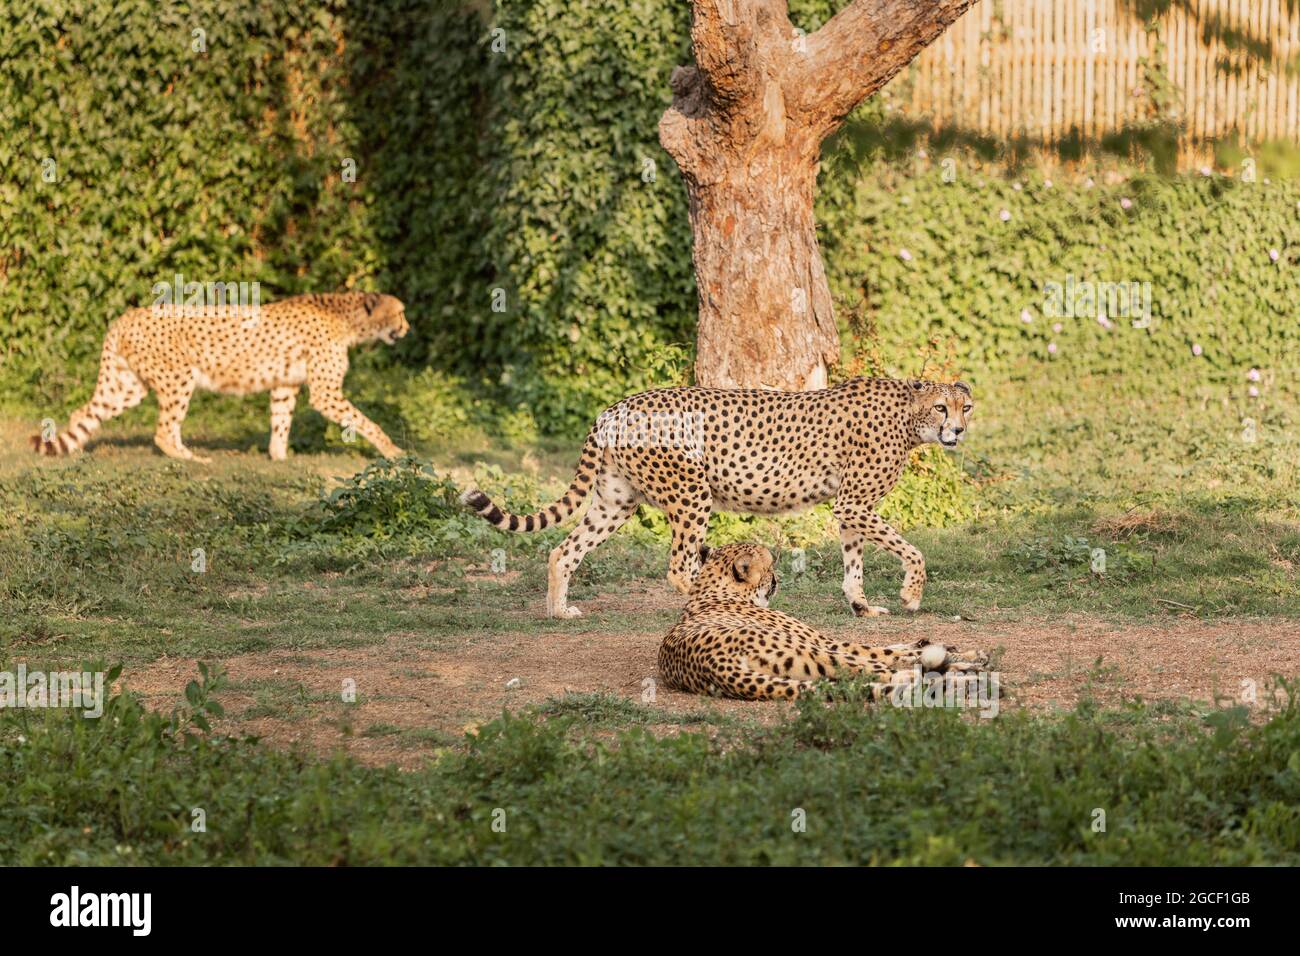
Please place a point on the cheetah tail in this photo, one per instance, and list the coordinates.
(85, 421)
(552, 514)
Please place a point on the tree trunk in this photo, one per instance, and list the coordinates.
(746, 128)
(765, 306)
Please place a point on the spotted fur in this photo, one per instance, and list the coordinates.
(279, 348)
(752, 451)
(729, 643)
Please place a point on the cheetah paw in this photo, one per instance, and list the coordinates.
(868, 610)
(568, 612)
(967, 661)
(911, 604)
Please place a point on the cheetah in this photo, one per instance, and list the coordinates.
(692, 451)
(276, 347)
(729, 643)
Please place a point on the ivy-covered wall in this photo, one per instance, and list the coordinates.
(496, 165)
(1168, 283)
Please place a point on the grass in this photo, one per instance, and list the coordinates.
(844, 784)
(122, 556)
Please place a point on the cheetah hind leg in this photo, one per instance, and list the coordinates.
(745, 683)
(612, 504)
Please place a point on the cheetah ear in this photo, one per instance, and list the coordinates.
(964, 387)
(751, 568)
(918, 384)
(740, 570)
(704, 553)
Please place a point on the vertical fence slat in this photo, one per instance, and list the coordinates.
(1042, 68)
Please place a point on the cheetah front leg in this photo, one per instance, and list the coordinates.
(282, 402)
(851, 550)
(174, 394)
(326, 396)
(859, 522)
(689, 520)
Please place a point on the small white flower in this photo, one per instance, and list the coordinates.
(1004, 215)
(1051, 348)
(904, 255)
(1057, 326)
(1206, 171)
(1253, 392)
(1196, 348)
(1126, 203)
(1026, 316)
(1253, 375)
(1274, 255)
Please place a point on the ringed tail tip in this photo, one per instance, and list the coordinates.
(474, 498)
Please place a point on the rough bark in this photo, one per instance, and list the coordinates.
(746, 127)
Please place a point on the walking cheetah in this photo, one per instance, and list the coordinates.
(729, 643)
(693, 451)
(276, 348)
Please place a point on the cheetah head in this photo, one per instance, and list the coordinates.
(941, 412)
(738, 573)
(377, 316)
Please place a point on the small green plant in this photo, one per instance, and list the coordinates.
(1070, 555)
(388, 499)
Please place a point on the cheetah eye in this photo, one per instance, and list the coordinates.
(966, 410)
(941, 408)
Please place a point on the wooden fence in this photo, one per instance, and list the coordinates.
(1048, 69)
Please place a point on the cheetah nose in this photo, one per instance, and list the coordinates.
(958, 431)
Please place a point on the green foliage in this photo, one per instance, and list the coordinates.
(1071, 557)
(933, 492)
(389, 498)
(120, 789)
(503, 157)
(937, 261)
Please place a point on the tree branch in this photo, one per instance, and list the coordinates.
(725, 47)
(860, 49)
(738, 46)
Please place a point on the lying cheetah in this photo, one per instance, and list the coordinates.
(730, 644)
(276, 348)
(693, 451)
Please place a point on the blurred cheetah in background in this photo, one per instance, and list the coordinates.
(278, 348)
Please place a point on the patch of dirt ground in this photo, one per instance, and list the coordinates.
(411, 698)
